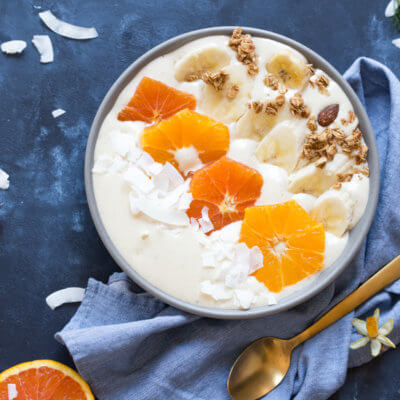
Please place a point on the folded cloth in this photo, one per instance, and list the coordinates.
(130, 346)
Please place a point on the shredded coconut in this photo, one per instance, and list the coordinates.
(58, 112)
(12, 391)
(205, 223)
(13, 47)
(65, 29)
(44, 47)
(63, 296)
(217, 290)
(4, 182)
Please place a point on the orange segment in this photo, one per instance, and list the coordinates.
(154, 101)
(185, 129)
(292, 243)
(227, 188)
(44, 380)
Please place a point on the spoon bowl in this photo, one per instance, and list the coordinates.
(259, 368)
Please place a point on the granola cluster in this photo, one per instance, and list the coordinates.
(348, 176)
(350, 119)
(216, 79)
(232, 92)
(245, 49)
(271, 81)
(297, 106)
(268, 107)
(322, 146)
(322, 82)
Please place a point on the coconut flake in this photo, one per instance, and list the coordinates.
(272, 300)
(184, 201)
(208, 259)
(138, 180)
(12, 391)
(194, 224)
(216, 290)
(390, 9)
(121, 142)
(205, 223)
(188, 159)
(4, 182)
(63, 296)
(396, 42)
(256, 259)
(58, 112)
(107, 164)
(175, 178)
(44, 47)
(65, 29)
(13, 47)
(157, 211)
(243, 298)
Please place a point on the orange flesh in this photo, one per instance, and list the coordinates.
(44, 383)
(227, 188)
(154, 101)
(185, 129)
(291, 241)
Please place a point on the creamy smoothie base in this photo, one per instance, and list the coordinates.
(299, 152)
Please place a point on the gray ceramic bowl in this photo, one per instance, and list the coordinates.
(357, 235)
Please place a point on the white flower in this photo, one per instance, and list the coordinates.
(371, 333)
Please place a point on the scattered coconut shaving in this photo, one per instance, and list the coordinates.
(65, 29)
(44, 47)
(243, 298)
(184, 201)
(390, 9)
(4, 182)
(58, 112)
(216, 290)
(12, 391)
(13, 47)
(396, 42)
(64, 296)
(205, 223)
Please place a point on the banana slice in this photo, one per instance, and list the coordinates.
(315, 181)
(218, 105)
(282, 146)
(210, 58)
(255, 126)
(334, 209)
(290, 69)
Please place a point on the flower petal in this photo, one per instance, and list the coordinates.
(386, 341)
(375, 347)
(387, 327)
(377, 314)
(359, 343)
(361, 326)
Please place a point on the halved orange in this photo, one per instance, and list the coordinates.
(227, 188)
(185, 129)
(291, 241)
(43, 380)
(154, 101)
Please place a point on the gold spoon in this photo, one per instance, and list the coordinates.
(263, 364)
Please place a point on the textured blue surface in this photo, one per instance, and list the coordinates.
(47, 240)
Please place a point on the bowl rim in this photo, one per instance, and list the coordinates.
(356, 236)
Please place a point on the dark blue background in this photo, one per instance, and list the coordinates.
(47, 239)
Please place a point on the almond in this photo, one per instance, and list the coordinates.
(328, 114)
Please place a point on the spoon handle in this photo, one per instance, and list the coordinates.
(373, 285)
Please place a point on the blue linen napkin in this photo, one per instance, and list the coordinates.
(129, 345)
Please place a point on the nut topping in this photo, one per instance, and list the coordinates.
(328, 115)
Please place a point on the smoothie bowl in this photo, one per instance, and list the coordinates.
(232, 173)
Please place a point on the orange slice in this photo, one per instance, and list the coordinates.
(291, 241)
(185, 129)
(43, 380)
(154, 101)
(227, 188)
